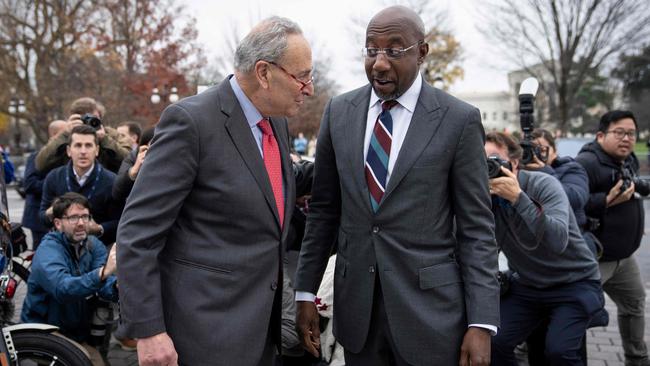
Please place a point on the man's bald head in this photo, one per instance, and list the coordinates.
(55, 127)
(410, 20)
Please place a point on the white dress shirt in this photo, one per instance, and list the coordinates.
(81, 180)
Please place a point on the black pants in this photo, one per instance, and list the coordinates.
(568, 308)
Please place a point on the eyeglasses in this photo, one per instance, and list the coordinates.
(303, 84)
(75, 219)
(392, 53)
(619, 133)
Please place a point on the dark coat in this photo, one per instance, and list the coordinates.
(621, 226)
(33, 185)
(575, 182)
(97, 189)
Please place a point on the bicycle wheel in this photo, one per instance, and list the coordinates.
(38, 348)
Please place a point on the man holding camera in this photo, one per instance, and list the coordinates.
(616, 218)
(113, 149)
(555, 276)
(84, 175)
(70, 267)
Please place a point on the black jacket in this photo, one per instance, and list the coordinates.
(621, 226)
(97, 189)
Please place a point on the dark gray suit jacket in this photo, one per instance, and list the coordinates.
(199, 243)
(431, 243)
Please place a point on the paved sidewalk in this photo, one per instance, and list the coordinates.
(604, 343)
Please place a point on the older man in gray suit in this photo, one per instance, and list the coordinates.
(200, 240)
(401, 182)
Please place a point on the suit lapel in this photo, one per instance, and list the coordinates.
(424, 124)
(241, 135)
(356, 132)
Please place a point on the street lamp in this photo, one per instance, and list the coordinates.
(167, 94)
(16, 108)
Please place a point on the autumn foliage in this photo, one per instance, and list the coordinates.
(117, 51)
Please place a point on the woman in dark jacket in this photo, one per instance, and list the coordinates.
(569, 172)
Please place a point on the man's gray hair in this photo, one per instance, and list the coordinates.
(267, 42)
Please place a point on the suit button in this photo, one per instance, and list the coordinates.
(375, 229)
(274, 286)
(371, 269)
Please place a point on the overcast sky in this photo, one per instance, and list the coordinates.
(327, 25)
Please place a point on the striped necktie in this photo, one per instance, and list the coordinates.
(378, 154)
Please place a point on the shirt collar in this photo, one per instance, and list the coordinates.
(407, 100)
(253, 116)
(85, 175)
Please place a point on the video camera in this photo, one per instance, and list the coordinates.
(527, 93)
(92, 121)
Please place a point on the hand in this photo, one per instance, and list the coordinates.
(101, 132)
(536, 164)
(307, 325)
(94, 228)
(49, 213)
(111, 263)
(142, 152)
(295, 157)
(73, 121)
(506, 187)
(615, 196)
(475, 349)
(157, 350)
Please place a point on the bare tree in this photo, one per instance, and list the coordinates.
(561, 42)
(53, 51)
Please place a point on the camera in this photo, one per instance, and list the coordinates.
(627, 175)
(527, 93)
(92, 121)
(494, 163)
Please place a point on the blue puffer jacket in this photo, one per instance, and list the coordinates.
(575, 182)
(59, 285)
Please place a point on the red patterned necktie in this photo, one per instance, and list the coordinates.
(273, 165)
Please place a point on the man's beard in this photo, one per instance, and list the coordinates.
(72, 240)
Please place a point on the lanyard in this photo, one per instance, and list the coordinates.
(92, 190)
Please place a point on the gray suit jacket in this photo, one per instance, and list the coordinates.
(199, 243)
(431, 242)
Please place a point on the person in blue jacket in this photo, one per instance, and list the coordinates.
(69, 269)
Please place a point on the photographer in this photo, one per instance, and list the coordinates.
(616, 218)
(555, 276)
(569, 172)
(69, 270)
(113, 149)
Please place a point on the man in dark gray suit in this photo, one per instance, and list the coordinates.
(201, 238)
(404, 189)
